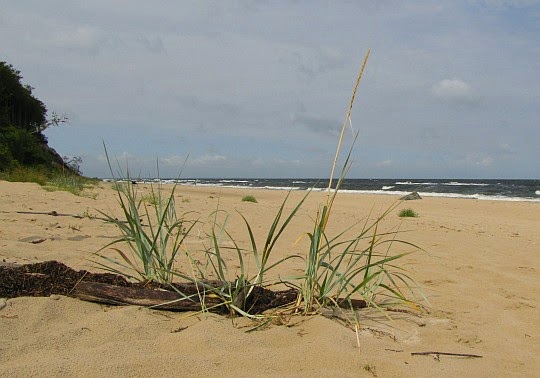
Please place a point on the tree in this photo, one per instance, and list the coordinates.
(23, 118)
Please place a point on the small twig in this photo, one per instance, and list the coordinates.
(56, 214)
(446, 354)
(52, 213)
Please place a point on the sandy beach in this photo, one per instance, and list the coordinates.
(478, 268)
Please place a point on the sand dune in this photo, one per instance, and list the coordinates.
(479, 270)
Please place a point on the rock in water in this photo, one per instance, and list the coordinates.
(411, 196)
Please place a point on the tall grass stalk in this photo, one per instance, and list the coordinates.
(340, 269)
(329, 198)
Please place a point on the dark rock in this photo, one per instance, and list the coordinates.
(411, 196)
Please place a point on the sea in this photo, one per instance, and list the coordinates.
(479, 189)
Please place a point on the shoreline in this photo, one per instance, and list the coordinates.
(314, 185)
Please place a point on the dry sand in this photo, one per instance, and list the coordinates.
(479, 272)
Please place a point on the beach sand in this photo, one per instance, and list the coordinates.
(478, 268)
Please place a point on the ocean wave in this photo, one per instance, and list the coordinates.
(414, 183)
(282, 187)
(455, 183)
(451, 183)
(475, 196)
(446, 188)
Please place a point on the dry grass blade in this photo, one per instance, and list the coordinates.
(347, 118)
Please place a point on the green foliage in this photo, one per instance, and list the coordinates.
(20, 147)
(18, 106)
(339, 269)
(37, 174)
(407, 213)
(249, 199)
(262, 255)
(235, 293)
(73, 164)
(154, 237)
(66, 182)
(152, 198)
(23, 118)
(51, 180)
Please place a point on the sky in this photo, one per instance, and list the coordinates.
(260, 89)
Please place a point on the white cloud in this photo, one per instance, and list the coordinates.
(205, 160)
(455, 90)
(507, 3)
(82, 37)
(479, 160)
(384, 163)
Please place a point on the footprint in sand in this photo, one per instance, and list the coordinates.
(78, 237)
(469, 340)
(33, 239)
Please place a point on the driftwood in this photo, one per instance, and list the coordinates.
(138, 296)
(52, 277)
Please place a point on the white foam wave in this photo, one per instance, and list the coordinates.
(414, 183)
(537, 192)
(229, 181)
(445, 195)
(451, 183)
(282, 187)
(455, 183)
(387, 187)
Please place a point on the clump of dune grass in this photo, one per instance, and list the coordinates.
(50, 180)
(151, 198)
(26, 174)
(66, 182)
(153, 234)
(236, 286)
(407, 213)
(249, 199)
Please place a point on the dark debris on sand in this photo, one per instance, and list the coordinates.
(52, 277)
(47, 278)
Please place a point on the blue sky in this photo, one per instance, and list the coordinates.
(252, 88)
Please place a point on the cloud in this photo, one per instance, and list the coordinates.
(311, 62)
(207, 160)
(507, 3)
(319, 125)
(265, 80)
(485, 161)
(82, 38)
(454, 90)
(384, 163)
